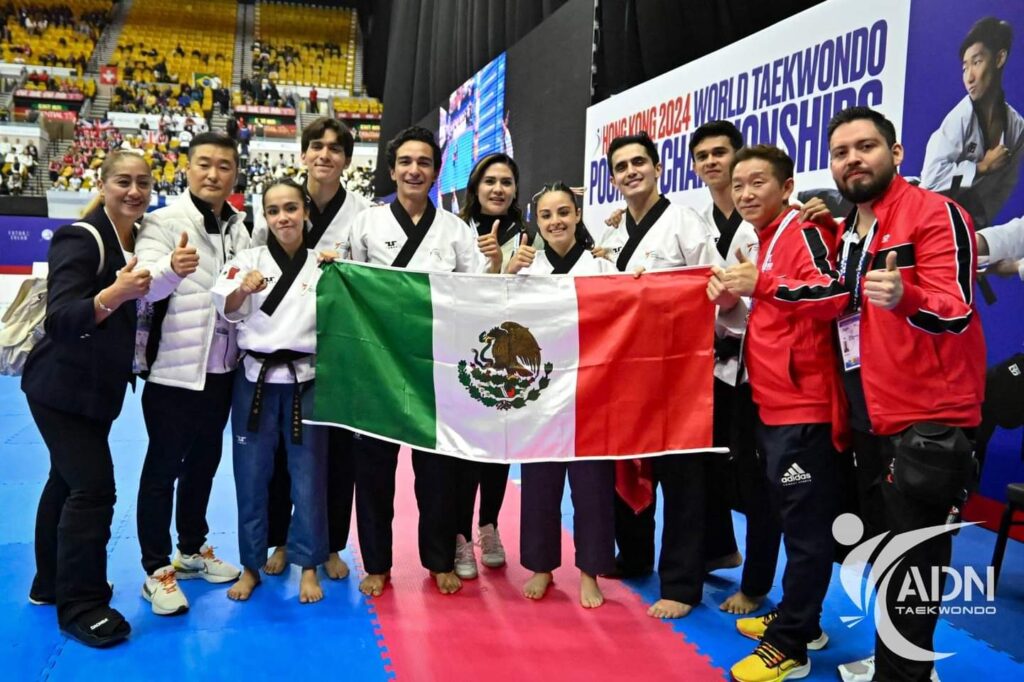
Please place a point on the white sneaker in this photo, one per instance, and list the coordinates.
(864, 671)
(162, 591)
(465, 558)
(819, 642)
(204, 565)
(492, 553)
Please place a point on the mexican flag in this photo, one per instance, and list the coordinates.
(517, 368)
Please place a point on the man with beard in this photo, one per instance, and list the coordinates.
(921, 353)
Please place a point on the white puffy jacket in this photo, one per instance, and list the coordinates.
(188, 329)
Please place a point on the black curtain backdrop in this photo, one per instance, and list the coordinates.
(641, 39)
(433, 46)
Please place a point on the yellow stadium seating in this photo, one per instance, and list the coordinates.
(76, 45)
(307, 29)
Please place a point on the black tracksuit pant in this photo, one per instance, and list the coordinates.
(491, 480)
(186, 431)
(800, 462)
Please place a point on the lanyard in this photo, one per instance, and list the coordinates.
(843, 262)
(766, 264)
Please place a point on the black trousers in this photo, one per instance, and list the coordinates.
(592, 485)
(800, 462)
(720, 537)
(74, 515)
(870, 469)
(753, 498)
(681, 564)
(186, 430)
(340, 488)
(435, 487)
(904, 514)
(491, 480)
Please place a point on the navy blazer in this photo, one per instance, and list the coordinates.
(80, 366)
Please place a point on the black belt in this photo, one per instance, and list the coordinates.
(726, 348)
(276, 359)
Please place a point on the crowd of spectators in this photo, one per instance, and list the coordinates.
(51, 33)
(18, 163)
(164, 149)
(176, 100)
(41, 80)
(264, 92)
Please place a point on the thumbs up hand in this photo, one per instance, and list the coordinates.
(740, 279)
(884, 288)
(184, 258)
(523, 256)
(129, 285)
(488, 245)
(717, 293)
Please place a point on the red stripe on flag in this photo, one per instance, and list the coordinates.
(646, 371)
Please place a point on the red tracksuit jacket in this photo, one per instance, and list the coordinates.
(789, 348)
(924, 360)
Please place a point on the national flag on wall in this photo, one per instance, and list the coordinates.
(517, 368)
(108, 75)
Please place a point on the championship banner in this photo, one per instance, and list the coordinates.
(779, 86)
(517, 368)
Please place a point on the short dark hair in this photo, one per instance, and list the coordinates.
(413, 134)
(780, 161)
(215, 139)
(991, 32)
(284, 182)
(848, 115)
(472, 203)
(317, 129)
(717, 129)
(641, 138)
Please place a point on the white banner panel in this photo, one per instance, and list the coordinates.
(780, 86)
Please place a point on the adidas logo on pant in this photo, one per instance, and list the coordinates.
(795, 474)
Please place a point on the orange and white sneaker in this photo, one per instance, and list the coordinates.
(162, 591)
(768, 664)
(204, 565)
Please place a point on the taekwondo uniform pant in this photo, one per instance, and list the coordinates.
(592, 485)
(340, 489)
(254, 466)
(436, 482)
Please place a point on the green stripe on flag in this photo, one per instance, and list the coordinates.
(375, 365)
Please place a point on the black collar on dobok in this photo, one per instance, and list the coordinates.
(563, 264)
(508, 228)
(276, 359)
(322, 220)
(209, 219)
(637, 231)
(726, 229)
(414, 232)
(290, 269)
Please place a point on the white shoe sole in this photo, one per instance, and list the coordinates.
(819, 643)
(160, 611)
(492, 563)
(467, 573)
(185, 574)
(800, 672)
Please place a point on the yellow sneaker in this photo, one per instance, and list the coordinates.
(755, 627)
(768, 664)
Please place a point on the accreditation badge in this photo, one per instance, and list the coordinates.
(849, 340)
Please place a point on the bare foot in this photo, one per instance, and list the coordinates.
(242, 589)
(537, 586)
(590, 594)
(335, 567)
(740, 604)
(447, 583)
(310, 591)
(666, 608)
(276, 562)
(373, 585)
(728, 561)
